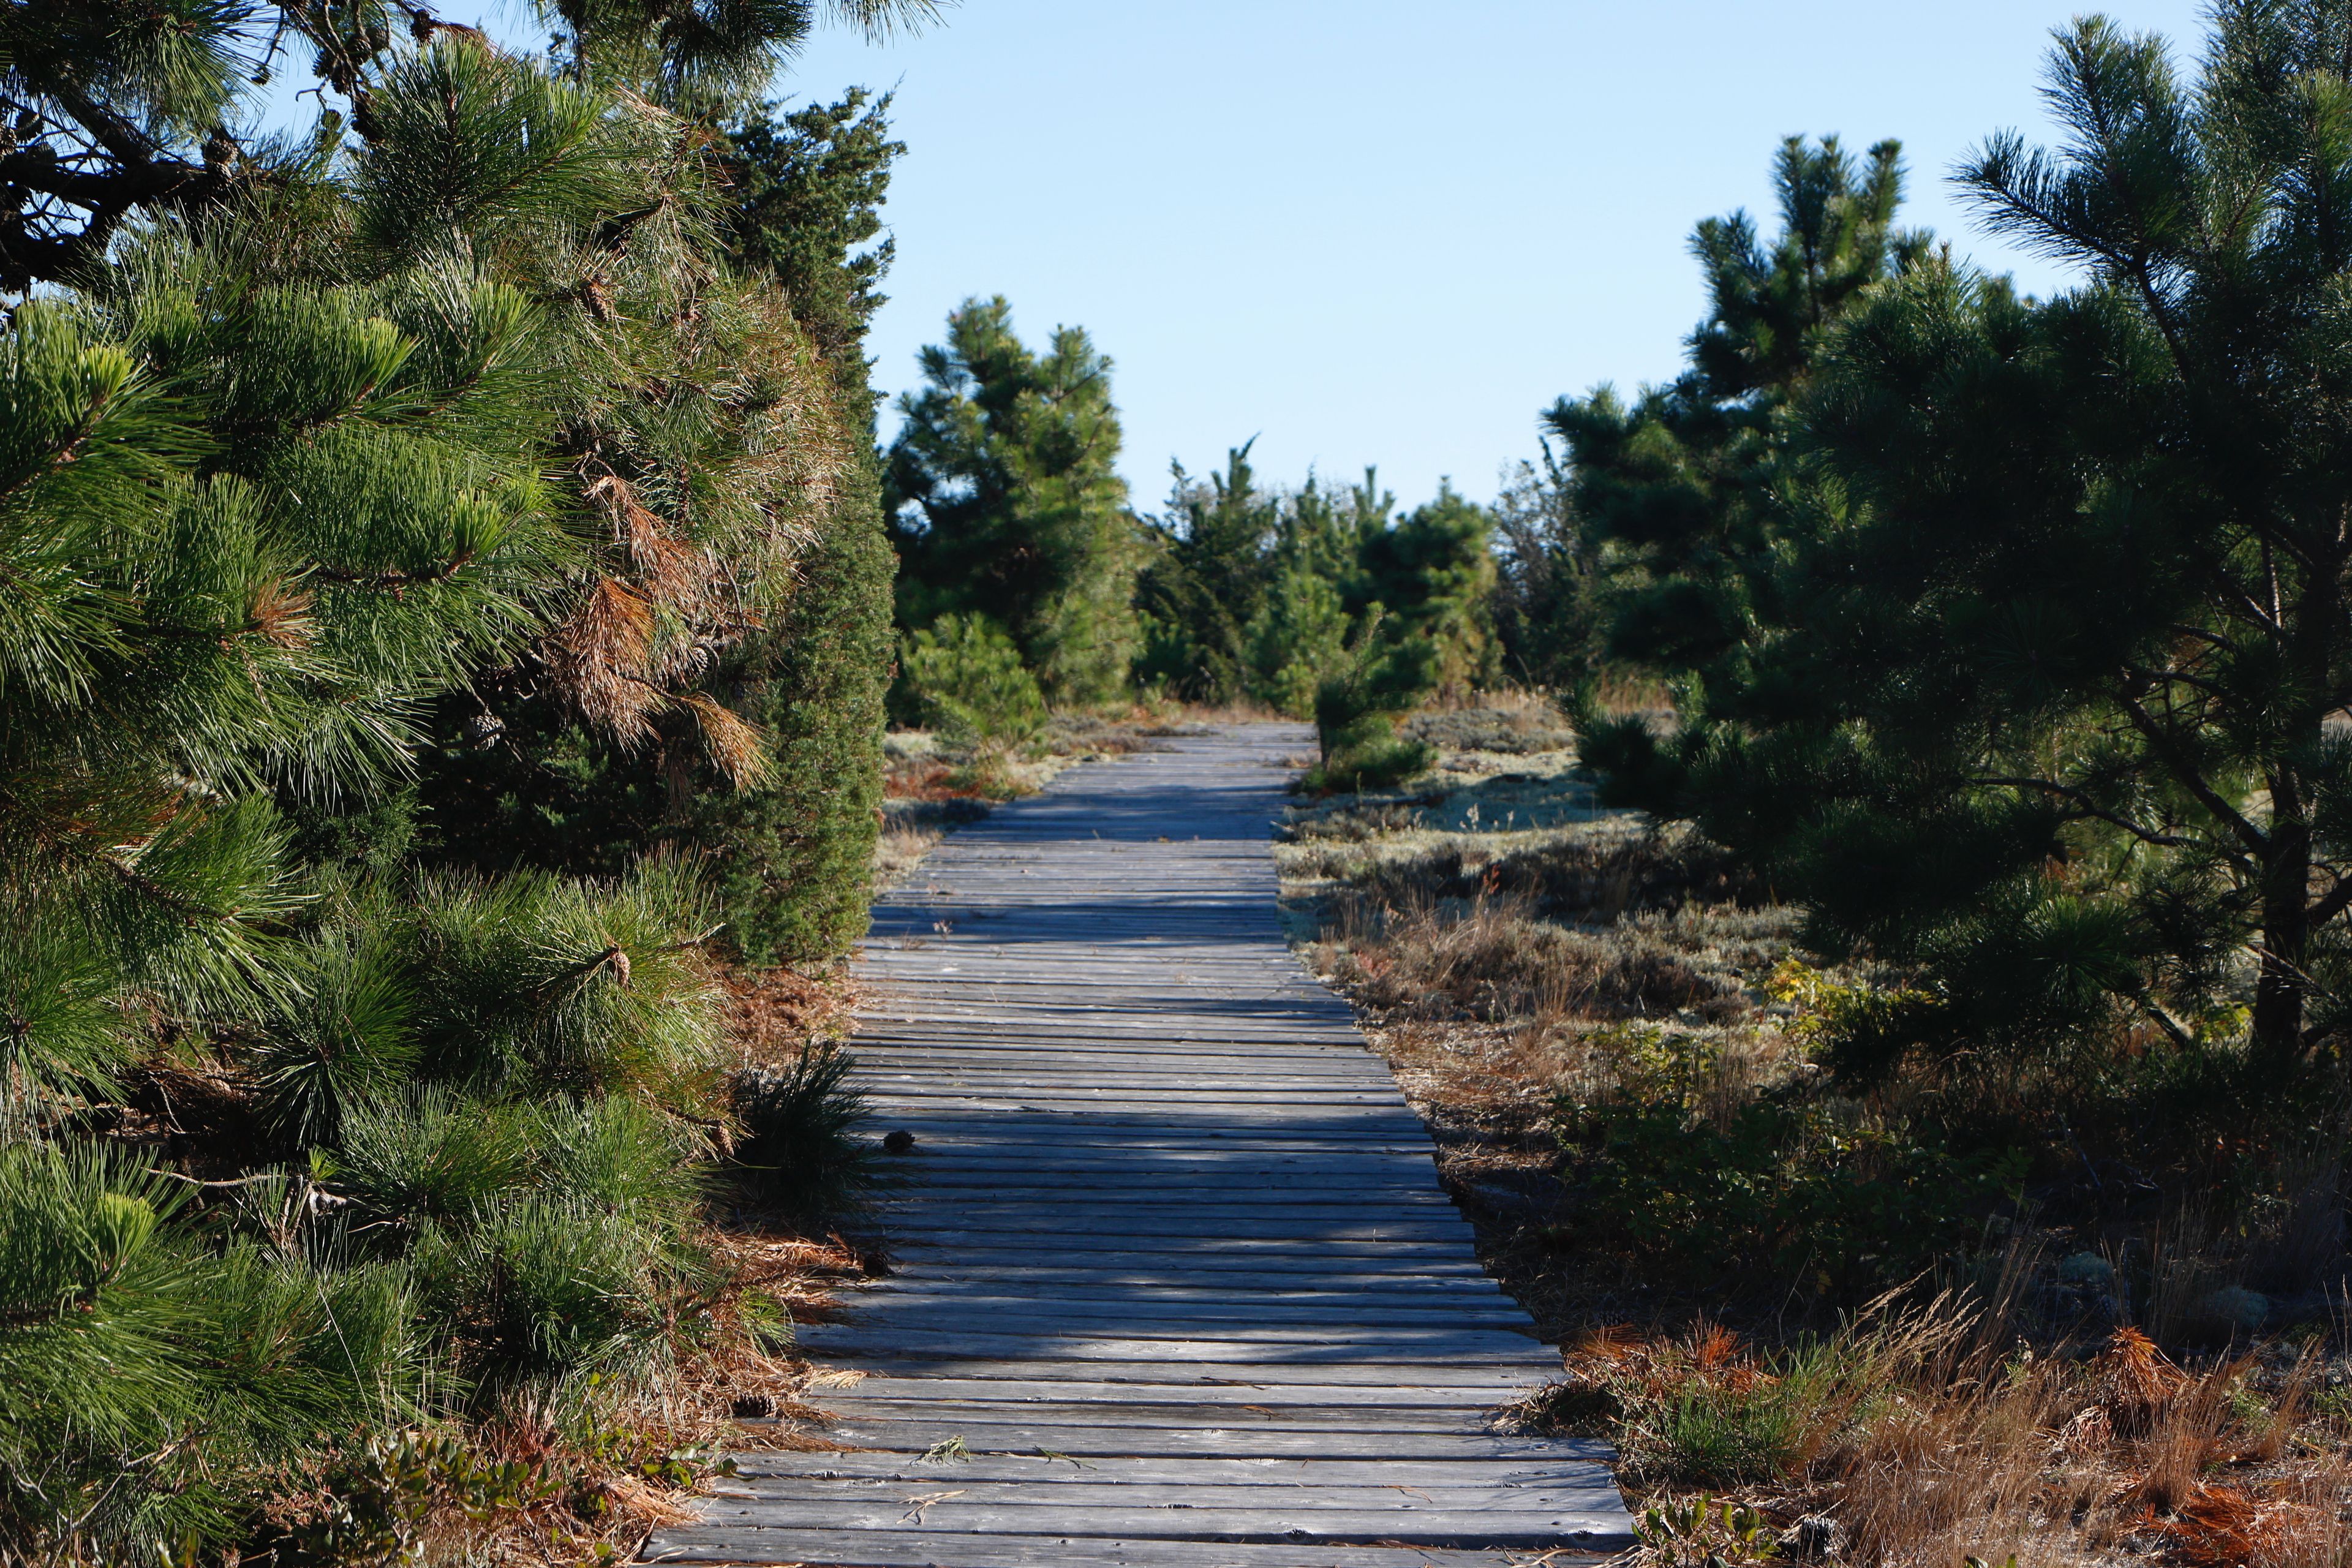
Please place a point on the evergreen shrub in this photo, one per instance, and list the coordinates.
(962, 677)
(1358, 705)
(799, 1150)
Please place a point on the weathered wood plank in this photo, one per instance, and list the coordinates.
(1115, 1470)
(1162, 1415)
(893, 1549)
(1491, 1379)
(1405, 1521)
(1074, 1486)
(1256, 1347)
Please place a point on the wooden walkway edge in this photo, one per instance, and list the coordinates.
(1177, 1287)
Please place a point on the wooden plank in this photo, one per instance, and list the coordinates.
(1262, 1349)
(1076, 1488)
(1186, 1442)
(1186, 1251)
(1203, 1178)
(1166, 1416)
(1308, 1206)
(1064, 1312)
(1119, 1470)
(941, 1162)
(892, 1549)
(1411, 1294)
(1340, 1224)
(1405, 1521)
(1402, 1269)
(1145, 1397)
(1490, 1379)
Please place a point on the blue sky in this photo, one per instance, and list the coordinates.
(1372, 232)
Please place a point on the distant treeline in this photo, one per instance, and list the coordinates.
(1019, 550)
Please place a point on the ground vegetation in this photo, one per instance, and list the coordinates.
(1936, 1317)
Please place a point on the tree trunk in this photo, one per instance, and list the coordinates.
(2282, 983)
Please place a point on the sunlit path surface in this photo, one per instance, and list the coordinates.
(1177, 1284)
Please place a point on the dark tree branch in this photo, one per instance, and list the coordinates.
(2334, 902)
(394, 578)
(2177, 762)
(2090, 808)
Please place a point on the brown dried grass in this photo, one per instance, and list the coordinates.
(774, 1013)
(1927, 1441)
(1489, 959)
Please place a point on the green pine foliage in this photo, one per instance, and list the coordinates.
(799, 1150)
(368, 454)
(783, 814)
(1431, 575)
(1256, 595)
(147, 1379)
(962, 677)
(803, 195)
(1378, 678)
(2040, 701)
(1005, 502)
(1208, 585)
(792, 857)
(1300, 633)
(1675, 492)
(1547, 601)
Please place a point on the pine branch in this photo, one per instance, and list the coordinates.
(2176, 761)
(2336, 899)
(394, 578)
(2090, 808)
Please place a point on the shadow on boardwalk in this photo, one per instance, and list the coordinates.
(1177, 1283)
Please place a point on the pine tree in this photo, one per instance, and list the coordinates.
(2049, 711)
(804, 194)
(1299, 635)
(1005, 500)
(795, 855)
(520, 780)
(1207, 584)
(455, 396)
(1677, 489)
(1546, 599)
(1433, 575)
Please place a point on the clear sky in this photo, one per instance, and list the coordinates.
(1372, 232)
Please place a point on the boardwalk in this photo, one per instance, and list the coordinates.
(1177, 1288)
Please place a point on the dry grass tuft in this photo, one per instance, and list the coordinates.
(772, 1013)
(1487, 959)
(1926, 1442)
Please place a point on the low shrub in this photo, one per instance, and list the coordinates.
(1358, 704)
(1589, 876)
(962, 677)
(546, 1238)
(1486, 959)
(1526, 728)
(349, 1033)
(1781, 1190)
(1379, 759)
(430, 1157)
(533, 984)
(546, 1285)
(1927, 1435)
(799, 1150)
